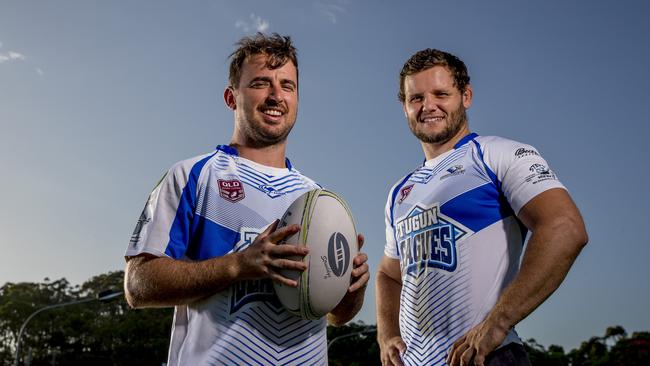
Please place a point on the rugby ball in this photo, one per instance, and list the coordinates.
(327, 229)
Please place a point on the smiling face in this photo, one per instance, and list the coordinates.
(435, 107)
(265, 102)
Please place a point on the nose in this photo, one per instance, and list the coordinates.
(275, 93)
(429, 104)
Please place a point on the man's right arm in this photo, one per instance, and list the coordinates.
(151, 281)
(387, 292)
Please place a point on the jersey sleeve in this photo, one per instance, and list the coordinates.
(520, 170)
(390, 249)
(164, 224)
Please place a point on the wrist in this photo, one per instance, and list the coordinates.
(233, 266)
(383, 339)
(501, 320)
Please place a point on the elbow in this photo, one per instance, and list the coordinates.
(337, 321)
(580, 236)
(574, 229)
(132, 296)
(583, 239)
(134, 285)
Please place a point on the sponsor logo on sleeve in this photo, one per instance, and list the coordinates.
(540, 173)
(231, 190)
(142, 222)
(522, 152)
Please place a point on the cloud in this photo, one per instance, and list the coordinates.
(331, 11)
(255, 23)
(39, 72)
(11, 56)
(16, 56)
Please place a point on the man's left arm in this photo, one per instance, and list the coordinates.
(353, 299)
(558, 236)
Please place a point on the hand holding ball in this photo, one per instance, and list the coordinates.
(327, 229)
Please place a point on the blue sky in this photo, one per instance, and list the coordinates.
(98, 99)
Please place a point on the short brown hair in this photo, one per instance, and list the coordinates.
(279, 50)
(428, 58)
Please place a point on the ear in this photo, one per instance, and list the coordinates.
(404, 109)
(229, 98)
(467, 96)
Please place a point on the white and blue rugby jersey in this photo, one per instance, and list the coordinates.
(209, 206)
(451, 223)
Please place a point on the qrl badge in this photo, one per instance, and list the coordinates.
(231, 190)
(404, 192)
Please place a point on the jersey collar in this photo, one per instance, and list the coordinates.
(460, 143)
(233, 152)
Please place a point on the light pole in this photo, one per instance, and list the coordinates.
(102, 296)
(365, 331)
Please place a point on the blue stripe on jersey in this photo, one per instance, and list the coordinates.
(488, 207)
(502, 199)
(179, 234)
(392, 204)
(489, 171)
(210, 239)
(465, 140)
(228, 150)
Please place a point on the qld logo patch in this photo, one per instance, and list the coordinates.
(427, 238)
(231, 190)
(404, 192)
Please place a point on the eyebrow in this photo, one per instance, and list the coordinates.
(289, 81)
(269, 80)
(260, 78)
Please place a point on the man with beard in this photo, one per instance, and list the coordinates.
(449, 286)
(208, 243)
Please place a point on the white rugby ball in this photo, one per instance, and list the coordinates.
(327, 228)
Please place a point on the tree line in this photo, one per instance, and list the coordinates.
(113, 334)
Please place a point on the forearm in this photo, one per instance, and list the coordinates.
(387, 293)
(549, 255)
(160, 281)
(347, 308)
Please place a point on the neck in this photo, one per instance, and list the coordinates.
(433, 150)
(273, 155)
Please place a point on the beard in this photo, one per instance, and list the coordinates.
(453, 124)
(260, 134)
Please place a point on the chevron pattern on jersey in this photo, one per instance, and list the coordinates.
(271, 185)
(261, 334)
(435, 311)
(424, 174)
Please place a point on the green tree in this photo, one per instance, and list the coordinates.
(538, 355)
(631, 351)
(92, 333)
